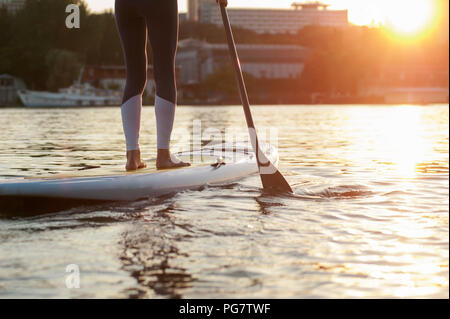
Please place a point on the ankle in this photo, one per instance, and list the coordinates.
(163, 153)
(134, 154)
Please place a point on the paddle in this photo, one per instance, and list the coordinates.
(270, 176)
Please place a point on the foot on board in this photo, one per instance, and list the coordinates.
(134, 161)
(165, 160)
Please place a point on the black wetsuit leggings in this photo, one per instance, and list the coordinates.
(160, 18)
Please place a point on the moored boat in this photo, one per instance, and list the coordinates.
(77, 95)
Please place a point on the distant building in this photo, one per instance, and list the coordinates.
(182, 17)
(194, 8)
(270, 20)
(9, 86)
(12, 5)
(197, 59)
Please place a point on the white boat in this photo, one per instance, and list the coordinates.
(76, 95)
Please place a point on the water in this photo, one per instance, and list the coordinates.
(369, 218)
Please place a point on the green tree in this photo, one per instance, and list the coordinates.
(36, 29)
(5, 39)
(63, 68)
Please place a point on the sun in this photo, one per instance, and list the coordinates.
(410, 17)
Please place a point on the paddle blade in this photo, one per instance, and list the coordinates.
(272, 179)
(274, 182)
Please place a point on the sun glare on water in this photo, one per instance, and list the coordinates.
(404, 140)
(403, 143)
(395, 142)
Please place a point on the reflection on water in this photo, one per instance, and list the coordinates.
(369, 217)
(149, 253)
(397, 140)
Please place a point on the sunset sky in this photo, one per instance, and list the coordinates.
(404, 15)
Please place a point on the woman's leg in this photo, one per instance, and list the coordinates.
(133, 34)
(162, 22)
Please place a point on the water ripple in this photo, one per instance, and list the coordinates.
(369, 217)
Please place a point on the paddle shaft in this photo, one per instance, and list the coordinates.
(273, 179)
(238, 72)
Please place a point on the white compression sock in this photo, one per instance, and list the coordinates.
(131, 120)
(165, 115)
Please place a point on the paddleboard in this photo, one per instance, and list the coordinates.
(210, 166)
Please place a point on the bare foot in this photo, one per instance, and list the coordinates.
(165, 160)
(134, 161)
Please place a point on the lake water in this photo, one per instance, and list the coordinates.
(369, 217)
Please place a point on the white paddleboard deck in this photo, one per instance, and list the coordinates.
(118, 185)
